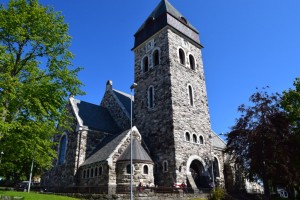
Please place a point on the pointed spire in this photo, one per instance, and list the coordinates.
(158, 19)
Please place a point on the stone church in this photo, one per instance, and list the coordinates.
(172, 137)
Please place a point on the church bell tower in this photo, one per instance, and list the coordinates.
(170, 107)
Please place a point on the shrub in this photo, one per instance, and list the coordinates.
(218, 194)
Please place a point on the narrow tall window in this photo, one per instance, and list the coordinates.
(165, 166)
(181, 57)
(62, 150)
(101, 170)
(216, 168)
(192, 62)
(191, 96)
(194, 138)
(92, 172)
(84, 172)
(88, 173)
(201, 139)
(96, 171)
(151, 97)
(187, 136)
(156, 57)
(145, 64)
(145, 169)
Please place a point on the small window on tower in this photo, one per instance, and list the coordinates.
(145, 64)
(191, 95)
(156, 57)
(192, 62)
(181, 57)
(194, 138)
(165, 166)
(187, 136)
(201, 139)
(150, 97)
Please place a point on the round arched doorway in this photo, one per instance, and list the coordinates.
(198, 173)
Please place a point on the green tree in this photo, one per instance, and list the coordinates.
(291, 103)
(260, 141)
(36, 78)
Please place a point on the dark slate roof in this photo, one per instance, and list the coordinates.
(157, 20)
(94, 117)
(165, 7)
(124, 99)
(138, 153)
(106, 148)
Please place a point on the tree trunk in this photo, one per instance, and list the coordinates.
(267, 195)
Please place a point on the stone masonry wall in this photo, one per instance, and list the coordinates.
(110, 102)
(156, 124)
(188, 118)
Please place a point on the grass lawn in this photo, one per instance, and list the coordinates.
(35, 196)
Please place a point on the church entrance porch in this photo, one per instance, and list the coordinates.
(197, 175)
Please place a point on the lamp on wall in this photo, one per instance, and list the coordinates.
(131, 168)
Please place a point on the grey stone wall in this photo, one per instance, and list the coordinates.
(163, 127)
(93, 178)
(188, 118)
(156, 124)
(80, 144)
(124, 179)
(118, 113)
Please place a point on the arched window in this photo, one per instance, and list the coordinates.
(155, 57)
(145, 169)
(128, 169)
(88, 173)
(145, 64)
(96, 171)
(92, 172)
(84, 173)
(187, 136)
(181, 57)
(150, 97)
(191, 95)
(192, 62)
(62, 150)
(201, 141)
(101, 170)
(194, 138)
(165, 166)
(216, 168)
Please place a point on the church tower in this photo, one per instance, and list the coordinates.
(170, 107)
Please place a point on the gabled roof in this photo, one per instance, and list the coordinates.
(217, 142)
(106, 148)
(124, 99)
(138, 153)
(93, 116)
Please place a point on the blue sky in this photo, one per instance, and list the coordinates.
(247, 44)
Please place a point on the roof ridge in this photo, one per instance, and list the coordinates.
(123, 93)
